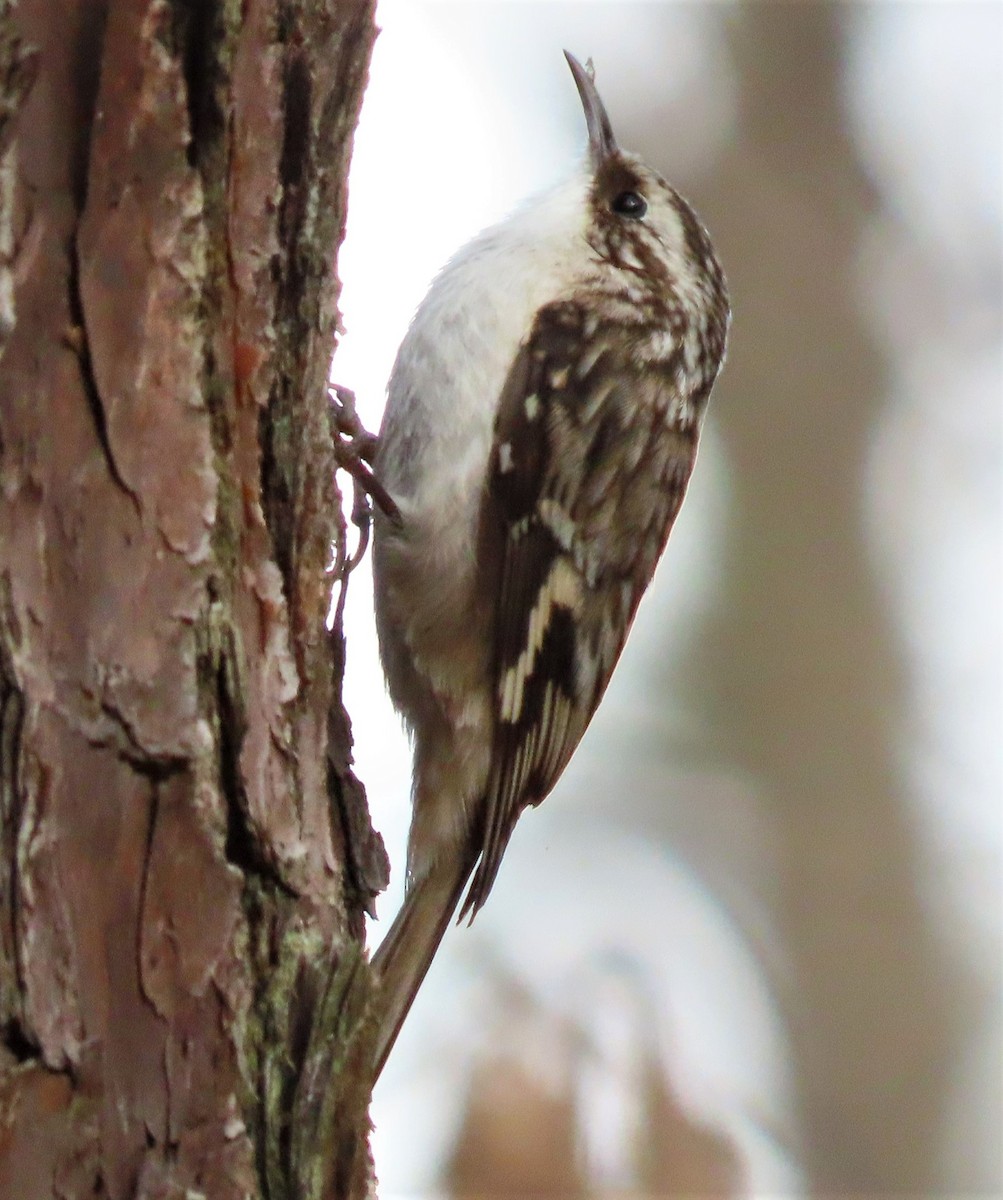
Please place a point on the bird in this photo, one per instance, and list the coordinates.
(540, 430)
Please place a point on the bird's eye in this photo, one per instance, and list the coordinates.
(630, 204)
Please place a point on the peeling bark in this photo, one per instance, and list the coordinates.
(185, 855)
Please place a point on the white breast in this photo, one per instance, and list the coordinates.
(435, 625)
(451, 366)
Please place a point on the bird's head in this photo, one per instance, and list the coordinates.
(640, 224)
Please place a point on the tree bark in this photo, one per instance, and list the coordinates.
(185, 856)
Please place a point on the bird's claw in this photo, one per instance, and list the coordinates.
(354, 448)
(354, 451)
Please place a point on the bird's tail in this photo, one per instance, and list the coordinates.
(406, 953)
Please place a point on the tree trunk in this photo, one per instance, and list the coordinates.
(184, 854)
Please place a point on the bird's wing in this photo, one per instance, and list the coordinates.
(588, 468)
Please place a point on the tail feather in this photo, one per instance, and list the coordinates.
(406, 953)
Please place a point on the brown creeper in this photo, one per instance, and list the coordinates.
(541, 427)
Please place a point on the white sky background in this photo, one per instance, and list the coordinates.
(470, 108)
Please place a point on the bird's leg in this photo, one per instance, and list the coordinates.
(354, 450)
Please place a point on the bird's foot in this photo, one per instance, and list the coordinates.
(354, 450)
(355, 447)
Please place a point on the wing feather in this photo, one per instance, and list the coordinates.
(587, 472)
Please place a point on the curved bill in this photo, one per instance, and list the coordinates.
(602, 143)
